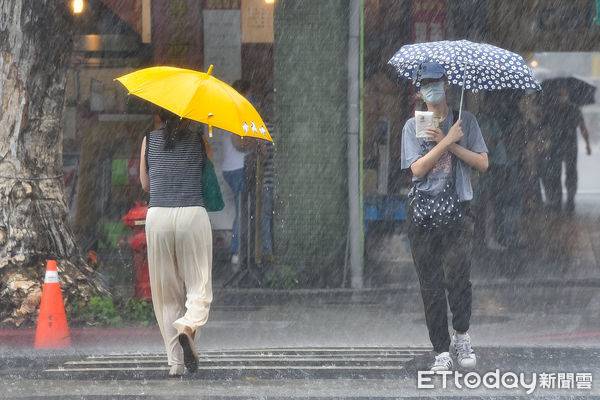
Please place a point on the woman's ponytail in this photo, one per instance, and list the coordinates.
(171, 126)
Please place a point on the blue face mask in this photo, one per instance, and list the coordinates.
(433, 92)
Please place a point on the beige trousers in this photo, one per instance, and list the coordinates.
(180, 263)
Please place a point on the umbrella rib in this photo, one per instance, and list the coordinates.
(199, 80)
(232, 99)
(189, 109)
(223, 91)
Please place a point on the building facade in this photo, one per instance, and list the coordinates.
(295, 54)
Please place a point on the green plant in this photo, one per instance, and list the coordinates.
(140, 311)
(111, 232)
(99, 311)
(282, 277)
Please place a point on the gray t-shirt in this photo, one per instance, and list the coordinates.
(434, 182)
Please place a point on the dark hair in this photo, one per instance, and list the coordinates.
(242, 86)
(419, 103)
(172, 125)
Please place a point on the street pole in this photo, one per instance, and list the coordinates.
(355, 227)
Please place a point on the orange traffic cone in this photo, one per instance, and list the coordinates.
(52, 331)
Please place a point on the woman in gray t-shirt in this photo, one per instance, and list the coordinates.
(442, 255)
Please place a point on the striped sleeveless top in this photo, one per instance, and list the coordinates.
(175, 174)
(268, 162)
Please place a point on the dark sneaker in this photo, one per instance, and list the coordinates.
(190, 357)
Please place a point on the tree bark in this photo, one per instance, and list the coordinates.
(35, 47)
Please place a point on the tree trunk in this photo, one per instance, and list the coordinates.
(35, 47)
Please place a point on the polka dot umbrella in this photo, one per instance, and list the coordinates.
(473, 66)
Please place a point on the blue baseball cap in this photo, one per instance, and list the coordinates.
(428, 70)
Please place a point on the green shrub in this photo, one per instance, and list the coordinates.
(140, 311)
(102, 311)
(99, 311)
(282, 277)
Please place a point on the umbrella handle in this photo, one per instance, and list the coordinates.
(462, 94)
(210, 115)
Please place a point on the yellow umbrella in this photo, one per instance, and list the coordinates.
(197, 96)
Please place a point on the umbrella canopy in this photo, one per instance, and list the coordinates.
(473, 66)
(197, 96)
(580, 92)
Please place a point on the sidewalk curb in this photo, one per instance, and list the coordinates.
(261, 297)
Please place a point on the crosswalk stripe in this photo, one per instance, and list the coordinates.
(233, 367)
(269, 353)
(269, 363)
(254, 359)
(252, 356)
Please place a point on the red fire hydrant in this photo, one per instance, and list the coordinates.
(136, 219)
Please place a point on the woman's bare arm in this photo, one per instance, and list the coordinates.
(586, 136)
(144, 180)
(479, 161)
(423, 165)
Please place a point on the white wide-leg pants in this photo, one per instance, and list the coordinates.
(180, 263)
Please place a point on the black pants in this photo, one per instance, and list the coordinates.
(443, 263)
(565, 153)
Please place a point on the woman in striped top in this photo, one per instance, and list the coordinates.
(266, 221)
(179, 237)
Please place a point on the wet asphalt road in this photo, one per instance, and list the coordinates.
(27, 379)
(41, 377)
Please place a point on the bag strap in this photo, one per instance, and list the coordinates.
(202, 145)
(452, 156)
(454, 119)
(455, 116)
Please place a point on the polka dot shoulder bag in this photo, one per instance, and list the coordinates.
(434, 212)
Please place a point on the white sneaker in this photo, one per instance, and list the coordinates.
(235, 259)
(461, 349)
(442, 362)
